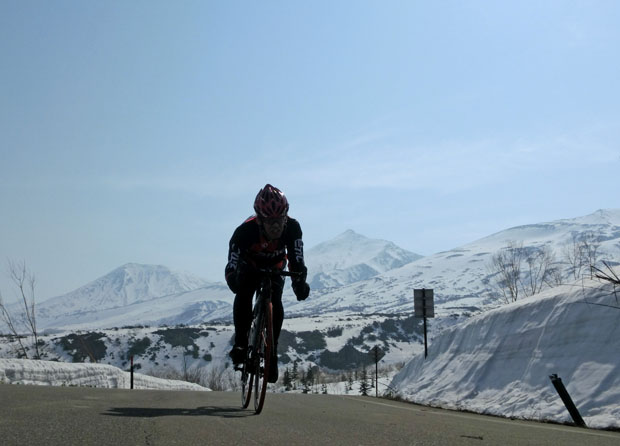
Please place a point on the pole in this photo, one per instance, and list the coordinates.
(376, 371)
(131, 380)
(425, 341)
(424, 314)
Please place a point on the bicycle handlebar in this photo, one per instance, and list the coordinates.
(279, 272)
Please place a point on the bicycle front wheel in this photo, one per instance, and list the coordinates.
(247, 377)
(263, 359)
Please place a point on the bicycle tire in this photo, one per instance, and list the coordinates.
(247, 377)
(263, 359)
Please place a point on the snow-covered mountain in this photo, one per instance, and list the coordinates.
(351, 257)
(461, 276)
(129, 284)
(137, 294)
(154, 295)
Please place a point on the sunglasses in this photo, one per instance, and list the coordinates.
(272, 221)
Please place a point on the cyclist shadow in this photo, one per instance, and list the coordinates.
(151, 412)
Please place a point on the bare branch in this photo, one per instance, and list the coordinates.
(506, 265)
(524, 271)
(6, 317)
(25, 282)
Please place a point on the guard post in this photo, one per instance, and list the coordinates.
(567, 400)
(424, 306)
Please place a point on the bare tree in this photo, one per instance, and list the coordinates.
(590, 251)
(24, 280)
(540, 268)
(572, 254)
(7, 318)
(520, 271)
(554, 278)
(582, 252)
(506, 266)
(606, 276)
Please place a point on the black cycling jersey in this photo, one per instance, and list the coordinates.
(250, 245)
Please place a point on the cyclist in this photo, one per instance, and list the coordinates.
(265, 240)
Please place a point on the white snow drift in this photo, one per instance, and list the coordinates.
(499, 362)
(25, 371)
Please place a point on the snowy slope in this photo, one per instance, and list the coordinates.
(351, 257)
(209, 303)
(460, 277)
(499, 362)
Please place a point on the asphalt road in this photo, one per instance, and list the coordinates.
(34, 415)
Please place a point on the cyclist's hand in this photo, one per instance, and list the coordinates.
(300, 275)
(301, 290)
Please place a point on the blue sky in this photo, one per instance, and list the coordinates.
(141, 131)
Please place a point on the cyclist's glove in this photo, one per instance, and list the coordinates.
(301, 290)
(301, 275)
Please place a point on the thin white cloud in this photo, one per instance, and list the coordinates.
(367, 162)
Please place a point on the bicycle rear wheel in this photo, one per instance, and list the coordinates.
(263, 359)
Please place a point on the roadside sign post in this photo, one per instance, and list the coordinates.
(376, 354)
(424, 306)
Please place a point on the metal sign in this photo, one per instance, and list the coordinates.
(376, 353)
(424, 304)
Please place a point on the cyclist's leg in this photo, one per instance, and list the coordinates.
(277, 285)
(242, 307)
(242, 317)
(278, 318)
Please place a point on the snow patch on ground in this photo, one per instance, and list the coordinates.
(49, 373)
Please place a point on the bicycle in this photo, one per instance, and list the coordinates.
(255, 369)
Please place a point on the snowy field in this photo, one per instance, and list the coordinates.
(50, 373)
(499, 362)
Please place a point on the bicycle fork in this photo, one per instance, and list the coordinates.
(255, 332)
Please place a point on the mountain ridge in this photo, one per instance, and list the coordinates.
(351, 257)
(460, 278)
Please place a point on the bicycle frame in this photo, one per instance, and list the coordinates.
(255, 370)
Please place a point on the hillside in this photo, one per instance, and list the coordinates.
(499, 362)
(461, 277)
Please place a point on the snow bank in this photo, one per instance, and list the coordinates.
(499, 362)
(26, 371)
